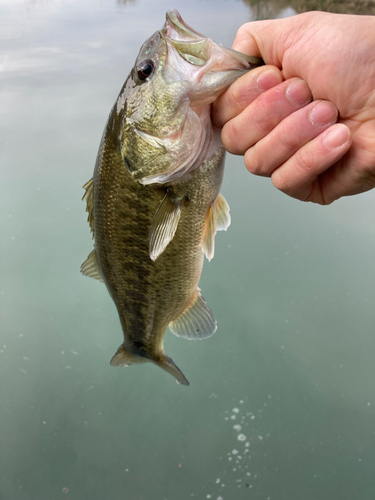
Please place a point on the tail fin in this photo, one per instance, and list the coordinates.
(125, 358)
(169, 366)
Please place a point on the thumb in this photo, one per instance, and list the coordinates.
(265, 39)
(290, 38)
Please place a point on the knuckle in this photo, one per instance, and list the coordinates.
(253, 162)
(242, 33)
(369, 175)
(288, 139)
(263, 120)
(300, 172)
(230, 138)
(305, 160)
(240, 96)
(235, 98)
(280, 183)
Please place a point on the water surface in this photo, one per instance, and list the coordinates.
(281, 404)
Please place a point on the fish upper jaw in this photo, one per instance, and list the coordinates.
(176, 26)
(208, 66)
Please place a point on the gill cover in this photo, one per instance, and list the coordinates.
(166, 130)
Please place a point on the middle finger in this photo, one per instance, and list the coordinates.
(264, 114)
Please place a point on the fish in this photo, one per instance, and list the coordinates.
(154, 203)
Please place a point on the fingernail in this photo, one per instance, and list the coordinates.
(323, 113)
(299, 92)
(336, 136)
(268, 79)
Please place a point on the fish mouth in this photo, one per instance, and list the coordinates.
(196, 48)
(191, 45)
(175, 22)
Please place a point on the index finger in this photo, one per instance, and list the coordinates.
(243, 92)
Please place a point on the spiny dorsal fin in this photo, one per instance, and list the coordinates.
(222, 215)
(88, 197)
(196, 322)
(124, 358)
(208, 243)
(90, 267)
(163, 226)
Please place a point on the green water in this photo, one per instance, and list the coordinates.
(291, 285)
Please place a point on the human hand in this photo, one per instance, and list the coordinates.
(286, 135)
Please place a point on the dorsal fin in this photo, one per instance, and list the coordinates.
(164, 226)
(222, 215)
(196, 322)
(90, 267)
(88, 197)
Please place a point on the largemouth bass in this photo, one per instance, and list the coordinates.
(154, 202)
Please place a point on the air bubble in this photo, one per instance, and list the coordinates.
(241, 437)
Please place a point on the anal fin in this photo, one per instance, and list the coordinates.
(90, 267)
(196, 322)
(164, 226)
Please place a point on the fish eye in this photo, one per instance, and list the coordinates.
(145, 69)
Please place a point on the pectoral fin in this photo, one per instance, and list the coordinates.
(196, 322)
(90, 267)
(218, 219)
(208, 243)
(164, 226)
(222, 213)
